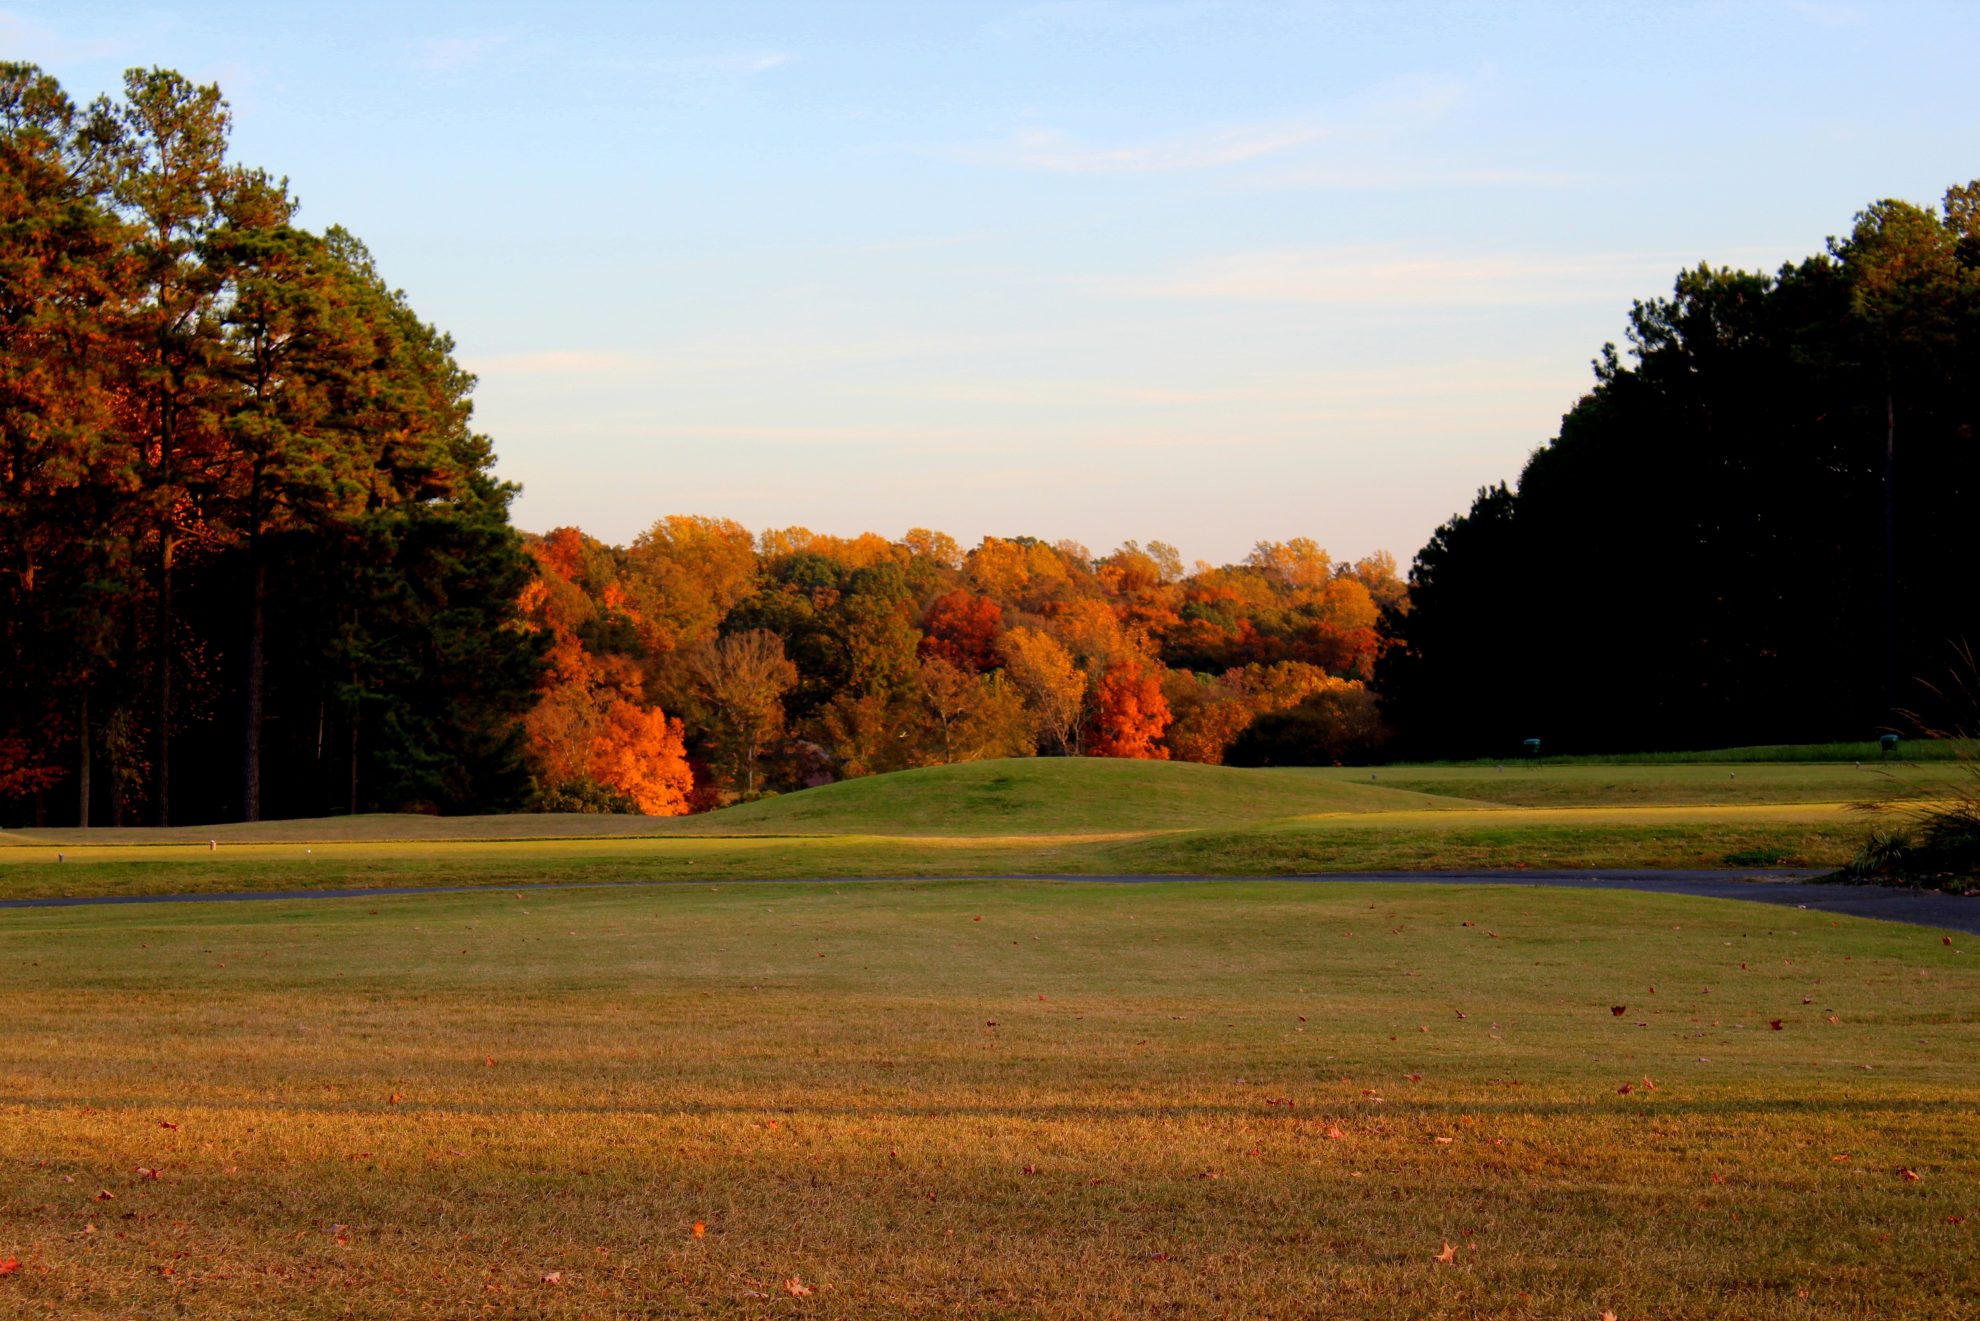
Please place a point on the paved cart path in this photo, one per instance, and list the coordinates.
(1794, 889)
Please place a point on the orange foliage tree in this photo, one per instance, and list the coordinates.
(1129, 714)
(590, 731)
(961, 628)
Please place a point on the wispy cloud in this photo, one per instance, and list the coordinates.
(446, 54)
(1378, 115)
(1113, 16)
(1392, 275)
(25, 40)
(1059, 153)
(550, 362)
(714, 64)
(1827, 15)
(1369, 178)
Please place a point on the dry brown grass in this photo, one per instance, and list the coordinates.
(814, 1074)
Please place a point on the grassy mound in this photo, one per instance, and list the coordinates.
(1058, 796)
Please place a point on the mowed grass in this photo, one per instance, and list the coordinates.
(1033, 817)
(1586, 784)
(987, 1099)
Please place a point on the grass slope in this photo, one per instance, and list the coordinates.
(1059, 796)
(1044, 816)
(987, 1099)
(1608, 784)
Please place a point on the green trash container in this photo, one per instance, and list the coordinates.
(1887, 743)
(1532, 747)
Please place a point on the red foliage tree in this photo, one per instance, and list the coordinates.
(1130, 714)
(961, 627)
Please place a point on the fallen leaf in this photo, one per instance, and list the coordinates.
(1947, 940)
(1444, 1142)
(1336, 1134)
(796, 1288)
(395, 1098)
(1909, 1176)
(488, 1062)
(1648, 1086)
(1841, 1157)
(700, 1229)
(10, 1265)
(1608, 1316)
(1449, 1254)
(1618, 1010)
(1030, 1169)
(106, 1196)
(1624, 1090)
(166, 1123)
(1158, 1256)
(553, 1277)
(1774, 1023)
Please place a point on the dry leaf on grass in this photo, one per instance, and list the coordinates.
(796, 1288)
(700, 1229)
(1449, 1254)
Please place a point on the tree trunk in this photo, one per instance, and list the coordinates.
(162, 811)
(82, 759)
(1890, 556)
(256, 668)
(355, 709)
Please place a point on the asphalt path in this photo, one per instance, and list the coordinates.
(1791, 889)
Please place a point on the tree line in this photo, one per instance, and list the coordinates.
(703, 663)
(1756, 528)
(252, 556)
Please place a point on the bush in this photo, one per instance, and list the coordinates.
(582, 796)
(1937, 846)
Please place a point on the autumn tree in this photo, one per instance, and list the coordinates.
(1130, 714)
(973, 717)
(961, 628)
(1053, 687)
(67, 511)
(741, 680)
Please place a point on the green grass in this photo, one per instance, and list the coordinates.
(1031, 817)
(1613, 784)
(1909, 750)
(991, 1099)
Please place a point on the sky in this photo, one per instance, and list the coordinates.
(1207, 272)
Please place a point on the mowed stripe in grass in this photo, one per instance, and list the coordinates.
(987, 1099)
(1506, 838)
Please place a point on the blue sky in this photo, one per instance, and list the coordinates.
(1202, 271)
